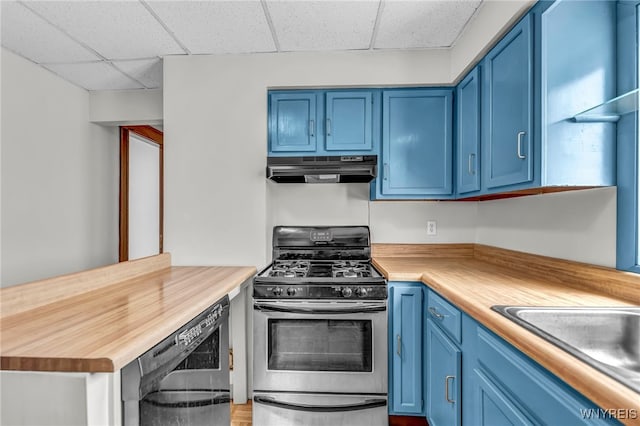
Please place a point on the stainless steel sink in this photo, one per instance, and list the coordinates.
(606, 338)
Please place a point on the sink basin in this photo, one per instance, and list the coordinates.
(605, 338)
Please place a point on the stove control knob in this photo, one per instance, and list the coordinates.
(291, 291)
(346, 292)
(277, 291)
(361, 292)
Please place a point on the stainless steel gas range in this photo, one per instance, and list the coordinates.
(320, 331)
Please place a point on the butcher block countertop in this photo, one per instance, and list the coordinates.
(479, 277)
(100, 320)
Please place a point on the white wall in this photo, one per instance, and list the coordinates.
(577, 225)
(59, 177)
(121, 107)
(219, 208)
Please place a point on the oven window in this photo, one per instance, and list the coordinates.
(320, 345)
(206, 355)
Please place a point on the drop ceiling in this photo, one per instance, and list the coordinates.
(116, 45)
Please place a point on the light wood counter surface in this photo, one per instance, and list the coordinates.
(101, 329)
(475, 284)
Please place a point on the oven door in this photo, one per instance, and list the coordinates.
(320, 346)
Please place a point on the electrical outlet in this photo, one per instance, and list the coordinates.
(432, 227)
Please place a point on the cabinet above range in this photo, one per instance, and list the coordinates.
(323, 122)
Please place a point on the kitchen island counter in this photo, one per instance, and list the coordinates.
(102, 319)
(489, 276)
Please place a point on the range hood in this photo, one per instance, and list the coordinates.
(329, 169)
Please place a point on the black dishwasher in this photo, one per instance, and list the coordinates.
(183, 380)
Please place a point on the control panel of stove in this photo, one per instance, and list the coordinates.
(284, 291)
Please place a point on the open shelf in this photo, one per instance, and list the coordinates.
(612, 110)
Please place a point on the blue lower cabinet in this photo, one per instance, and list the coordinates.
(527, 392)
(405, 348)
(493, 406)
(443, 378)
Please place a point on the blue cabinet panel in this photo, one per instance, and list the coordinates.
(507, 117)
(468, 133)
(348, 123)
(443, 378)
(405, 348)
(293, 122)
(493, 406)
(529, 385)
(417, 142)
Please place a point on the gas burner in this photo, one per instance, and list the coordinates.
(351, 269)
(290, 269)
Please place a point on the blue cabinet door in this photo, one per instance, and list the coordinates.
(507, 109)
(405, 349)
(468, 133)
(444, 360)
(348, 122)
(493, 406)
(417, 142)
(292, 122)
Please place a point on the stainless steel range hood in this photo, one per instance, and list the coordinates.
(330, 169)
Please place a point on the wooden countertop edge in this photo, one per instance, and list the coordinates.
(597, 386)
(58, 365)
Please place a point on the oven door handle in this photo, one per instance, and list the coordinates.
(367, 404)
(297, 310)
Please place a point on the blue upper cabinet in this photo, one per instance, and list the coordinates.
(293, 123)
(577, 72)
(323, 122)
(468, 133)
(416, 145)
(507, 117)
(348, 122)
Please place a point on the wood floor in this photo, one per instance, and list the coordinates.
(241, 416)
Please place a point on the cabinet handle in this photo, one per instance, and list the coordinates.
(328, 127)
(520, 155)
(386, 171)
(434, 313)
(399, 345)
(446, 389)
(312, 128)
(471, 161)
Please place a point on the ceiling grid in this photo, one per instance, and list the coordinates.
(118, 45)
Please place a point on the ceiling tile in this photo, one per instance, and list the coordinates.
(30, 36)
(146, 71)
(94, 76)
(217, 26)
(115, 29)
(323, 24)
(422, 24)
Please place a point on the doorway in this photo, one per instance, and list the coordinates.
(141, 192)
